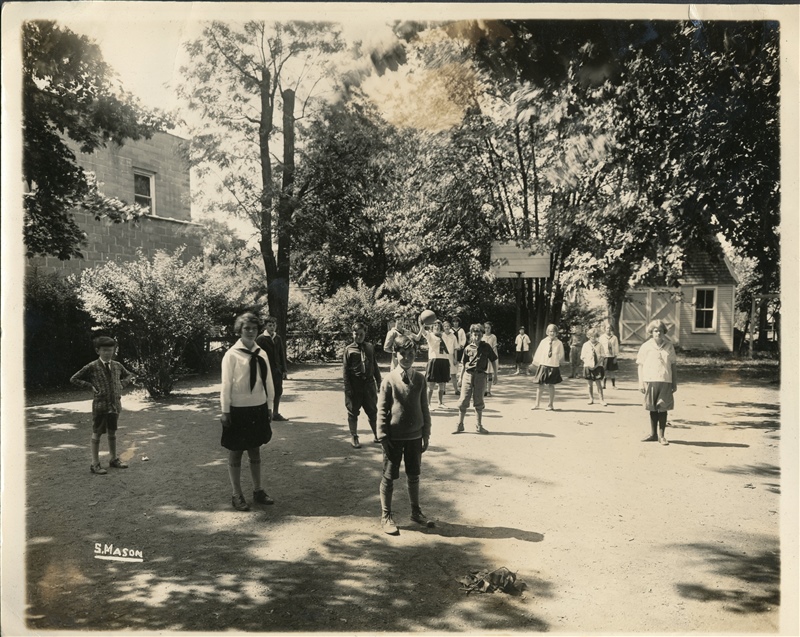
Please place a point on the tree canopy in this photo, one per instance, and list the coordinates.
(69, 92)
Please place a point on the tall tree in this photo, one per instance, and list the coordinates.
(238, 76)
(68, 91)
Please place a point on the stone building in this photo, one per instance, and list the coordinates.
(151, 172)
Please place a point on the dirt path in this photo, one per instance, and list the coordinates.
(608, 533)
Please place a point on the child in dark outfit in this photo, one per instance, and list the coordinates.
(478, 356)
(106, 378)
(361, 381)
(404, 428)
(272, 344)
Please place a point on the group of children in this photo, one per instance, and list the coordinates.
(397, 405)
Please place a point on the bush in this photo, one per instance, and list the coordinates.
(58, 336)
(155, 308)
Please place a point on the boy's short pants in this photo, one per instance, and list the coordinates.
(105, 423)
(411, 451)
(658, 396)
(473, 387)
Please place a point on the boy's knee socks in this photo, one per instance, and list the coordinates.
(95, 450)
(654, 422)
(413, 492)
(387, 489)
(662, 421)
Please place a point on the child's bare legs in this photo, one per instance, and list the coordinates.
(454, 380)
(255, 467)
(538, 394)
(591, 391)
(235, 472)
(442, 387)
(600, 391)
(551, 391)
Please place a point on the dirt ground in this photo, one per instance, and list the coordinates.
(608, 534)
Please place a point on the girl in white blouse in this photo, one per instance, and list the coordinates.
(549, 356)
(245, 398)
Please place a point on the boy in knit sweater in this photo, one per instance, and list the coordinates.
(404, 428)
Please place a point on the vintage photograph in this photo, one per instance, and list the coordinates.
(377, 318)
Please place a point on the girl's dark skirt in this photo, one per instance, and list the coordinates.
(249, 428)
(594, 373)
(438, 370)
(547, 375)
(611, 364)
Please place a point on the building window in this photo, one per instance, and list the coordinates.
(144, 190)
(705, 310)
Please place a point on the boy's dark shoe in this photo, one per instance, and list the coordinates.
(652, 438)
(356, 444)
(420, 518)
(480, 430)
(97, 469)
(239, 503)
(261, 497)
(116, 463)
(279, 418)
(388, 525)
(459, 429)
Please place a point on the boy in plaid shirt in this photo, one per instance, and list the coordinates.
(106, 378)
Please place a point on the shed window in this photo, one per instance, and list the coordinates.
(144, 190)
(705, 310)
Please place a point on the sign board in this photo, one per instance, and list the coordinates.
(511, 261)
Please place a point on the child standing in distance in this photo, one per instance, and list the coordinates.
(438, 370)
(549, 356)
(404, 429)
(610, 343)
(522, 345)
(393, 333)
(478, 356)
(361, 381)
(576, 341)
(272, 344)
(245, 398)
(106, 377)
(492, 340)
(593, 355)
(451, 341)
(461, 338)
(658, 382)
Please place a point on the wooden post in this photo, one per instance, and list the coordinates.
(753, 322)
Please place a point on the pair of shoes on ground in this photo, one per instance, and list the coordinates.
(116, 463)
(478, 429)
(390, 528)
(260, 496)
(279, 418)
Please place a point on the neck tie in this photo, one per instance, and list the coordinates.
(256, 362)
(550, 351)
(363, 368)
(108, 368)
(442, 346)
(404, 376)
(594, 356)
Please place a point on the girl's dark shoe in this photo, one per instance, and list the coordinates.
(239, 503)
(261, 497)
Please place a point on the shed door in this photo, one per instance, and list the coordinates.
(633, 319)
(643, 306)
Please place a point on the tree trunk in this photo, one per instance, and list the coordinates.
(278, 293)
(264, 133)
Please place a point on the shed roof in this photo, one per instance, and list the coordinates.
(708, 268)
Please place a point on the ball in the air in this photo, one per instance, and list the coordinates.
(428, 317)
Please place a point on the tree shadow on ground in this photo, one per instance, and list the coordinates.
(315, 561)
(762, 470)
(756, 586)
(703, 443)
